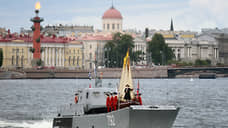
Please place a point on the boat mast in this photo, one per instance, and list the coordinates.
(98, 80)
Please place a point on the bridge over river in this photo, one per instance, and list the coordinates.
(196, 71)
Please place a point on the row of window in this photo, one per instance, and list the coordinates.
(74, 60)
(17, 50)
(140, 47)
(16, 62)
(177, 50)
(73, 51)
(111, 26)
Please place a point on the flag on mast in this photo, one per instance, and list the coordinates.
(138, 89)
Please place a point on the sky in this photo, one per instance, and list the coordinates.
(137, 14)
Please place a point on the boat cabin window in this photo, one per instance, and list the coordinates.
(87, 95)
(96, 93)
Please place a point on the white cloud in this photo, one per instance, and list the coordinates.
(153, 20)
(214, 6)
(152, 6)
(211, 10)
(187, 15)
(192, 15)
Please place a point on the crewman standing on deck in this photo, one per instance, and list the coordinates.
(115, 103)
(76, 98)
(127, 91)
(108, 102)
(139, 99)
(112, 102)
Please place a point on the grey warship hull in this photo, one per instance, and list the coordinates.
(129, 117)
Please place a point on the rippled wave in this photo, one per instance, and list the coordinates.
(34, 103)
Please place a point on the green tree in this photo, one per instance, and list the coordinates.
(110, 54)
(137, 56)
(1, 57)
(116, 49)
(206, 62)
(159, 50)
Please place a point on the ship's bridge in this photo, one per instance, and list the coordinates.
(94, 98)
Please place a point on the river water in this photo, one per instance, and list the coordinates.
(34, 103)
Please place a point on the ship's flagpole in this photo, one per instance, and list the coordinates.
(138, 89)
(90, 77)
(118, 94)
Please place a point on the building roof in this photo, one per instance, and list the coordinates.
(112, 13)
(94, 37)
(16, 38)
(26, 38)
(76, 42)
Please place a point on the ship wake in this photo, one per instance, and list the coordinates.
(26, 124)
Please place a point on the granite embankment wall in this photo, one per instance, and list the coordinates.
(108, 73)
(113, 73)
(143, 73)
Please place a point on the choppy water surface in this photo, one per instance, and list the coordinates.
(34, 103)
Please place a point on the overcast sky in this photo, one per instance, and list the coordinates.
(137, 14)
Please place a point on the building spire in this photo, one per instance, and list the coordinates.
(171, 26)
(112, 4)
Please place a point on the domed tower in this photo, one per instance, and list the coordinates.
(112, 20)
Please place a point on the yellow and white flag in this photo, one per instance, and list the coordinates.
(126, 78)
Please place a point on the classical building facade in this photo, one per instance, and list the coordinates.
(222, 38)
(93, 49)
(57, 52)
(15, 53)
(189, 49)
(189, 46)
(112, 20)
(140, 45)
(74, 55)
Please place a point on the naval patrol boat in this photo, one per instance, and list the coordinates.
(95, 108)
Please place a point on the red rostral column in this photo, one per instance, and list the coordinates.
(36, 33)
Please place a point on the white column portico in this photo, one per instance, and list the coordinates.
(53, 57)
(49, 58)
(46, 55)
(29, 55)
(42, 55)
(63, 60)
(56, 57)
(60, 56)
